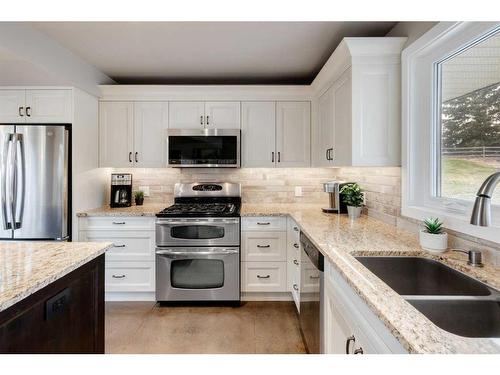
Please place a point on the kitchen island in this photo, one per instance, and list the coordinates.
(52, 297)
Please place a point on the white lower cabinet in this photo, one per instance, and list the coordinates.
(263, 254)
(130, 262)
(349, 325)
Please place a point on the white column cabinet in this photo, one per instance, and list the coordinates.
(186, 115)
(359, 111)
(222, 115)
(116, 134)
(258, 134)
(293, 129)
(36, 106)
(150, 123)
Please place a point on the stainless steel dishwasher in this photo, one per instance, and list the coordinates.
(311, 295)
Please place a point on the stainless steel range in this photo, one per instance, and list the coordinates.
(198, 244)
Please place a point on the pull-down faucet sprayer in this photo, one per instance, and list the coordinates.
(481, 213)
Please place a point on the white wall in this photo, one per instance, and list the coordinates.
(412, 30)
(22, 42)
(89, 181)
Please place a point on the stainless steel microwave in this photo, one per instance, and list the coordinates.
(203, 148)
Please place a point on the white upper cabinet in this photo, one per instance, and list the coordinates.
(116, 134)
(36, 106)
(48, 106)
(150, 123)
(204, 115)
(358, 120)
(258, 134)
(222, 115)
(293, 129)
(186, 115)
(12, 106)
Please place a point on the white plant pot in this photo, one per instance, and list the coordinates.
(354, 212)
(434, 243)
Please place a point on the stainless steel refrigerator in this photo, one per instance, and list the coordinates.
(35, 182)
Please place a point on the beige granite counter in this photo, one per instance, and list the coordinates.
(149, 209)
(340, 240)
(26, 267)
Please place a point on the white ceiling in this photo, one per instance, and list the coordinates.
(208, 52)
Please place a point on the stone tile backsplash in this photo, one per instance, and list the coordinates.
(277, 185)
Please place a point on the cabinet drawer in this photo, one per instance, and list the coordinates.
(130, 277)
(264, 223)
(264, 246)
(263, 276)
(127, 246)
(117, 223)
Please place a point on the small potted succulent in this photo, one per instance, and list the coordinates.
(352, 196)
(139, 197)
(433, 238)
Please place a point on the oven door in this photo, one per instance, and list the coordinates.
(198, 274)
(203, 148)
(198, 232)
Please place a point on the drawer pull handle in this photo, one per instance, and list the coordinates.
(348, 343)
(296, 245)
(295, 261)
(118, 222)
(358, 351)
(295, 287)
(118, 245)
(263, 246)
(262, 223)
(118, 276)
(263, 277)
(296, 229)
(313, 277)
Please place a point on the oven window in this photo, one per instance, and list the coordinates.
(197, 273)
(202, 149)
(197, 232)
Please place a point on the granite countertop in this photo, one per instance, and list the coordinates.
(148, 209)
(340, 240)
(26, 267)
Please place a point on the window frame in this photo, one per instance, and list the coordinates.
(421, 116)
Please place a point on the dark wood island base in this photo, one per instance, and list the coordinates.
(66, 316)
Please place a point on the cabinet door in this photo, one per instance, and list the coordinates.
(336, 331)
(293, 134)
(186, 115)
(116, 134)
(325, 132)
(342, 101)
(222, 115)
(49, 106)
(12, 106)
(258, 130)
(150, 122)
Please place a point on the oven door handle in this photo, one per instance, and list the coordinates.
(197, 222)
(196, 253)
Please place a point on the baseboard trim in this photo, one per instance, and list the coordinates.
(266, 296)
(129, 296)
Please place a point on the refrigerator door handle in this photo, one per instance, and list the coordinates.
(20, 211)
(4, 161)
(13, 180)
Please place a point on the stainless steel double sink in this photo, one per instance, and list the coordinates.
(452, 300)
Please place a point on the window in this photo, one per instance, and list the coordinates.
(451, 123)
(469, 117)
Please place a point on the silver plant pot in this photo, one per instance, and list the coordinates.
(353, 212)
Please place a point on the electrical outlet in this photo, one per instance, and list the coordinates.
(145, 190)
(298, 191)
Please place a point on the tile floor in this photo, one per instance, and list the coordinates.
(254, 327)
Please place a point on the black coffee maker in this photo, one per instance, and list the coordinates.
(121, 190)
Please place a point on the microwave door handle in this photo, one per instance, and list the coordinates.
(5, 164)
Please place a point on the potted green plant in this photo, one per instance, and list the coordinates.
(139, 197)
(432, 237)
(352, 196)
